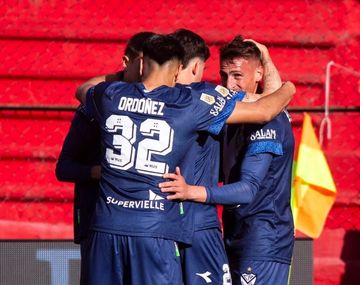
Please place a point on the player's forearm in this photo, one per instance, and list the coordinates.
(272, 80)
(254, 169)
(242, 192)
(265, 109)
(274, 103)
(81, 91)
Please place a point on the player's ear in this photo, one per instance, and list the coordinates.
(125, 61)
(259, 73)
(195, 68)
(178, 70)
(141, 66)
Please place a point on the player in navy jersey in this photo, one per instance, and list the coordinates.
(206, 260)
(258, 230)
(157, 125)
(259, 237)
(79, 159)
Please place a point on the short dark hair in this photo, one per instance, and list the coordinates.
(193, 44)
(239, 48)
(135, 44)
(162, 48)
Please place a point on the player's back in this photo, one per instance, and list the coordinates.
(146, 134)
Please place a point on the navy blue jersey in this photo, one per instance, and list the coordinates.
(146, 134)
(207, 165)
(81, 151)
(262, 230)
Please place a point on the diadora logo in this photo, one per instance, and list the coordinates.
(154, 202)
(205, 275)
(263, 135)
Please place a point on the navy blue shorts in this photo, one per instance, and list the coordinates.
(205, 261)
(248, 272)
(83, 249)
(116, 259)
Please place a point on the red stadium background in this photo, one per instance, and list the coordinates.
(50, 47)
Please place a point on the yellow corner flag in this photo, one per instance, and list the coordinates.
(314, 190)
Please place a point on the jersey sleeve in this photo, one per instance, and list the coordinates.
(93, 102)
(264, 139)
(213, 104)
(253, 170)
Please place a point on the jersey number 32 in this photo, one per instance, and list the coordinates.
(127, 155)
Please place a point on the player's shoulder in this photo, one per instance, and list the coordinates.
(207, 87)
(178, 95)
(280, 122)
(117, 85)
(115, 88)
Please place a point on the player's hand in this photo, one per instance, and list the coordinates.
(265, 55)
(178, 187)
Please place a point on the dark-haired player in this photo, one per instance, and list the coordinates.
(258, 231)
(205, 259)
(147, 129)
(80, 156)
(259, 236)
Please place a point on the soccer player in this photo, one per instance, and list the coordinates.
(147, 129)
(258, 230)
(205, 259)
(80, 157)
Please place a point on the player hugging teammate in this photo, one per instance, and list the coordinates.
(168, 120)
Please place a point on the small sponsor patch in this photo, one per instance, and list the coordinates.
(222, 90)
(207, 98)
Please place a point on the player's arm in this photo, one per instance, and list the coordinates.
(264, 109)
(69, 167)
(81, 91)
(253, 170)
(272, 80)
(271, 77)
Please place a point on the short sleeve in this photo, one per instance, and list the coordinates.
(213, 104)
(94, 100)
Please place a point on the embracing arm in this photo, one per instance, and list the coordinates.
(81, 91)
(264, 109)
(253, 170)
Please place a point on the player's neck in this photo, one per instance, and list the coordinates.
(157, 79)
